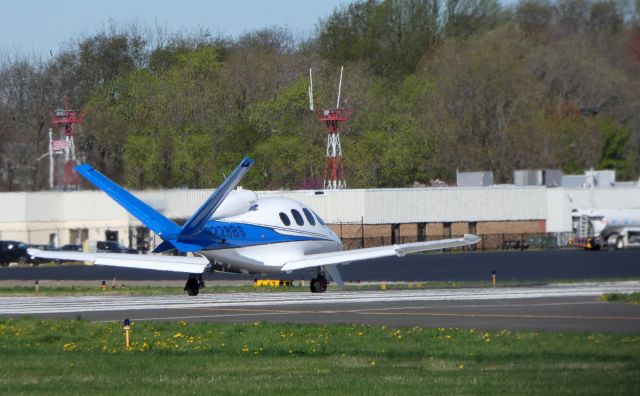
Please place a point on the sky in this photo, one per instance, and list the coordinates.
(40, 26)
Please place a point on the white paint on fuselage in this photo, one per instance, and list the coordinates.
(268, 257)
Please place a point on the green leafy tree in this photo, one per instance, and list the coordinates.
(616, 151)
(191, 163)
(283, 162)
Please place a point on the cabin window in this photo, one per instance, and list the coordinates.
(309, 216)
(285, 219)
(297, 217)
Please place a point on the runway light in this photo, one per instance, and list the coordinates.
(127, 328)
(493, 278)
(37, 285)
(104, 285)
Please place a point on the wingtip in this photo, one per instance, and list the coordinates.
(246, 162)
(471, 239)
(83, 168)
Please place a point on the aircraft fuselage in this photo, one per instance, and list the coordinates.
(272, 232)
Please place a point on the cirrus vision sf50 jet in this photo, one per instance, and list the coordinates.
(234, 231)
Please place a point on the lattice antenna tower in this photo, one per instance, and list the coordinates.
(334, 178)
(62, 148)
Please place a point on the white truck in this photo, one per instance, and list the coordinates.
(606, 228)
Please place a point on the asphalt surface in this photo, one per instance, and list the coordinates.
(473, 266)
(554, 308)
(574, 307)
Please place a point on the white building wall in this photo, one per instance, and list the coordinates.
(385, 206)
(558, 214)
(604, 198)
(12, 207)
(31, 217)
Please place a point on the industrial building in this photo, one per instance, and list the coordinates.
(394, 215)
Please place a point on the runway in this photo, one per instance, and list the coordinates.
(556, 307)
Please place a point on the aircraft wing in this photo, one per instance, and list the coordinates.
(191, 265)
(347, 256)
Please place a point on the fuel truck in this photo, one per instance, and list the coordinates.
(606, 228)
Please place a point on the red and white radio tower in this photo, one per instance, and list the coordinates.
(64, 148)
(334, 178)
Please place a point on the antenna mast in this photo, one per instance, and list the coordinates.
(310, 90)
(339, 87)
(67, 121)
(334, 178)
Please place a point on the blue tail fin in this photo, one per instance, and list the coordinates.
(143, 212)
(194, 226)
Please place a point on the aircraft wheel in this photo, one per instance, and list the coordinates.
(619, 243)
(192, 287)
(319, 285)
(193, 292)
(323, 285)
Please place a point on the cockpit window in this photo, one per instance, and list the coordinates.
(285, 219)
(309, 216)
(319, 219)
(298, 217)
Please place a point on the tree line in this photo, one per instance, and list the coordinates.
(435, 86)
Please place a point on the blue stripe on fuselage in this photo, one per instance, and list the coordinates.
(243, 234)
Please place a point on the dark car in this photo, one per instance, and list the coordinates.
(113, 247)
(71, 247)
(13, 252)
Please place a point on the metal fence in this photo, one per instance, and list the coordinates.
(505, 241)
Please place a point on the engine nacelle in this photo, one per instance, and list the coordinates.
(238, 202)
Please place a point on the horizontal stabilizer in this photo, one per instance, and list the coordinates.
(190, 265)
(193, 227)
(165, 246)
(143, 212)
(326, 259)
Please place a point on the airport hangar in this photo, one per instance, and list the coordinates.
(382, 215)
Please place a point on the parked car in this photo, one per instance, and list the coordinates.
(13, 252)
(113, 247)
(71, 247)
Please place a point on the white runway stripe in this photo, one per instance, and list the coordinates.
(33, 305)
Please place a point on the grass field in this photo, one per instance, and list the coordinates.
(78, 357)
(622, 297)
(157, 288)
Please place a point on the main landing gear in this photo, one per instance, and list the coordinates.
(194, 283)
(318, 284)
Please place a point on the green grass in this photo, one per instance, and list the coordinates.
(633, 298)
(45, 290)
(78, 357)
(49, 291)
(212, 287)
(159, 289)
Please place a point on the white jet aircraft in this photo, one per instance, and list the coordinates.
(234, 231)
